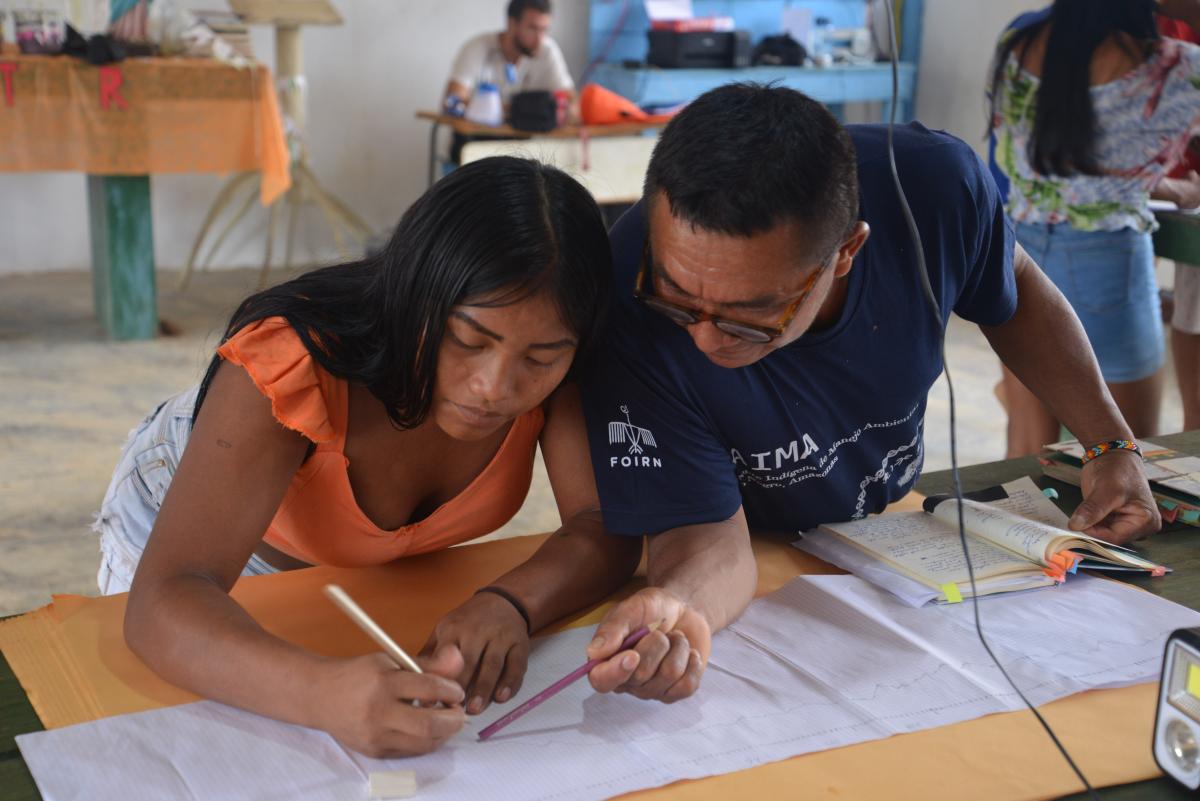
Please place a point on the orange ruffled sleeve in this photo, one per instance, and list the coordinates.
(301, 393)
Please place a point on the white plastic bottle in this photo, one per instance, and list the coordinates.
(819, 51)
(485, 107)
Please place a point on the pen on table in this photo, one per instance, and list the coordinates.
(372, 629)
(562, 684)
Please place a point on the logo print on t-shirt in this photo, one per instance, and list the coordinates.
(620, 433)
(626, 433)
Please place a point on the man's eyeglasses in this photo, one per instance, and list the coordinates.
(688, 315)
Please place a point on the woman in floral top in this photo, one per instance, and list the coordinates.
(1090, 111)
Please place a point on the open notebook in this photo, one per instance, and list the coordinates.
(1017, 540)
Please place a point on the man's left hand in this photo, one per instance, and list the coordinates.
(1117, 504)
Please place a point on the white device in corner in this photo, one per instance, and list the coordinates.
(1177, 723)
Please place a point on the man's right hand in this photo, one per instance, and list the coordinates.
(367, 703)
(667, 664)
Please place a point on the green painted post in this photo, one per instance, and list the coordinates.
(123, 255)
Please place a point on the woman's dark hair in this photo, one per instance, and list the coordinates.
(491, 233)
(744, 157)
(1064, 124)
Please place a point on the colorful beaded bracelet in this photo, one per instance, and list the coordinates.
(1112, 445)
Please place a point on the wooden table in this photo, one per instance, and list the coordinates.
(119, 124)
(468, 128)
(1180, 550)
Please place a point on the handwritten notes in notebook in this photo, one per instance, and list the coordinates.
(1016, 541)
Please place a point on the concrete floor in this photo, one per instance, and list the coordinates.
(68, 398)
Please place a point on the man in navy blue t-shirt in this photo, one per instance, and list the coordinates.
(770, 348)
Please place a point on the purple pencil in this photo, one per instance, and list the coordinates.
(559, 685)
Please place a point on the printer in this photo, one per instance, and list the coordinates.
(679, 49)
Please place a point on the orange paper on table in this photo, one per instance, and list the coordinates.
(141, 116)
(71, 659)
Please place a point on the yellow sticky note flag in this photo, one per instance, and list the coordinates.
(955, 597)
(1193, 680)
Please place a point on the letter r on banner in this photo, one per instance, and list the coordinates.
(7, 68)
(110, 87)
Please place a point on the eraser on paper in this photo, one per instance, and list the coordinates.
(393, 784)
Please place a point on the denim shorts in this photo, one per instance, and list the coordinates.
(1108, 278)
(135, 494)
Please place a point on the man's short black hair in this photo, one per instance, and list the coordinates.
(744, 157)
(517, 8)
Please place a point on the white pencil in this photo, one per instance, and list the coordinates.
(364, 621)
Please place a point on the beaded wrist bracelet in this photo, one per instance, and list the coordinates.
(1112, 445)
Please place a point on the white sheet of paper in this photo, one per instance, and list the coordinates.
(823, 662)
(1026, 498)
(669, 9)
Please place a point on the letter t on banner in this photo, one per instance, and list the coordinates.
(110, 87)
(7, 68)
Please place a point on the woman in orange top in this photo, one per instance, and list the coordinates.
(365, 412)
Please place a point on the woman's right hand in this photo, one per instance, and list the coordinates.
(367, 703)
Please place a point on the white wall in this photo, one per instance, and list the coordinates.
(959, 37)
(367, 77)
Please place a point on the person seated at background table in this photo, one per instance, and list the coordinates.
(366, 412)
(771, 346)
(1090, 110)
(522, 57)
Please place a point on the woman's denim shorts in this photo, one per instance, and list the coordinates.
(135, 494)
(1108, 278)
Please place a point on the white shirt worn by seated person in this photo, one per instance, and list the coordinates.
(481, 59)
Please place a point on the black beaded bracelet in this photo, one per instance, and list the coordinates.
(512, 599)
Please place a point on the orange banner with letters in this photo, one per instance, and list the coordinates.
(141, 116)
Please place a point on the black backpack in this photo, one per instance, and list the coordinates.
(779, 51)
(535, 111)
